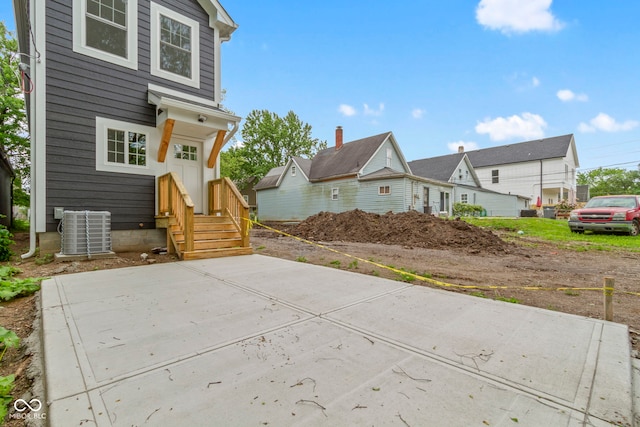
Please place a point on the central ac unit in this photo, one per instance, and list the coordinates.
(86, 232)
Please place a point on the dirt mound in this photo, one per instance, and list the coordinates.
(411, 228)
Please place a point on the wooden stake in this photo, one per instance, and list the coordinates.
(607, 289)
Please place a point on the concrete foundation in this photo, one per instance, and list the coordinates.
(121, 240)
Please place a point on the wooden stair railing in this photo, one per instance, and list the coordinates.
(174, 201)
(223, 232)
(226, 200)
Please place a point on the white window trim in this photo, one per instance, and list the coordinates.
(464, 198)
(156, 11)
(384, 187)
(335, 192)
(102, 127)
(293, 171)
(389, 156)
(80, 39)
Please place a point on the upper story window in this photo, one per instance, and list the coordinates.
(293, 171)
(495, 176)
(107, 30)
(175, 47)
(389, 157)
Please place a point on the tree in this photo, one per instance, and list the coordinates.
(232, 163)
(13, 128)
(604, 181)
(270, 140)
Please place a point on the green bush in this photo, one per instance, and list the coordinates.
(5, 243)
(465, 209)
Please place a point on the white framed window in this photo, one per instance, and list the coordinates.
(107, 30)
(334, 193)
(464, 198)
(246, 198)
(293, 171)
(124, 147)
(384, 190)
(185, 152)
(495, 176)
(175, 46)
(389, 156)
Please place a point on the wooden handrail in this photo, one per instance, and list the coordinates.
(174, 201)
(225, 199)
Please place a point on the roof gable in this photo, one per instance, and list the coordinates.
(348, 160)
(440, 168)
(539, 149)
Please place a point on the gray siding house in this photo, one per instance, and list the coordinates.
(457, 169)
(370, 174)
(6, 190)
(123, 92)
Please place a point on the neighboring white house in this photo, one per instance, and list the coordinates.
(542, 169)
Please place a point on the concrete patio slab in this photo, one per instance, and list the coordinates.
(255, 340)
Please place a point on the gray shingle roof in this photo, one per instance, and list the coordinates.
(539, 149)
(347, 160)
(270, 179)
(440, 168)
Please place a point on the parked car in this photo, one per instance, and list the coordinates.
(608, 214)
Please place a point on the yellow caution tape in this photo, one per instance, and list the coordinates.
(605, 290)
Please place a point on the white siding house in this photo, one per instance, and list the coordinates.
(370, 174)
(544, 169)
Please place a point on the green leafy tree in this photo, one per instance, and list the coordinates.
(13, 127)
(270, 140)
(232, 163)
(604, 181)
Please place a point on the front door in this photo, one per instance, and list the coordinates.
(425, 200)
(186, 161)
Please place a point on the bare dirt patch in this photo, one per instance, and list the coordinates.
(458, 253)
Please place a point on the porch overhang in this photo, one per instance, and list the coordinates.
(192, 117)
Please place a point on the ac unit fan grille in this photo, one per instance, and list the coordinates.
(86, 232)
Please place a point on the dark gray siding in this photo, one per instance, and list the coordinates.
(6, 190)
(79, 88)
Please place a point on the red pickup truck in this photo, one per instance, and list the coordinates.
(608, 214)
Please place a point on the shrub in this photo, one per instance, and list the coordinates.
(5, 243)
(465, 209)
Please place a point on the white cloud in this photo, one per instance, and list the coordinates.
(606, 123)
(567, 95)
(527, 126)
(468, 146)
(517, 16)
(417, 113)
(347, 110)
(371, 112)
(535, 81)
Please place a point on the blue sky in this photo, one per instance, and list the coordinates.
(440, 74)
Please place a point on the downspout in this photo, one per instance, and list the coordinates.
(32, 201)
(37, 76)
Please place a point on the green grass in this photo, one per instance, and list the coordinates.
(557, 232)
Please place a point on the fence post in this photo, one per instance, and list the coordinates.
(607, 288)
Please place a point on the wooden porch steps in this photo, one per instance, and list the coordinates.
(213, 237)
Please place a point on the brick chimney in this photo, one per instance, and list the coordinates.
(338, 138)
(461, 149)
